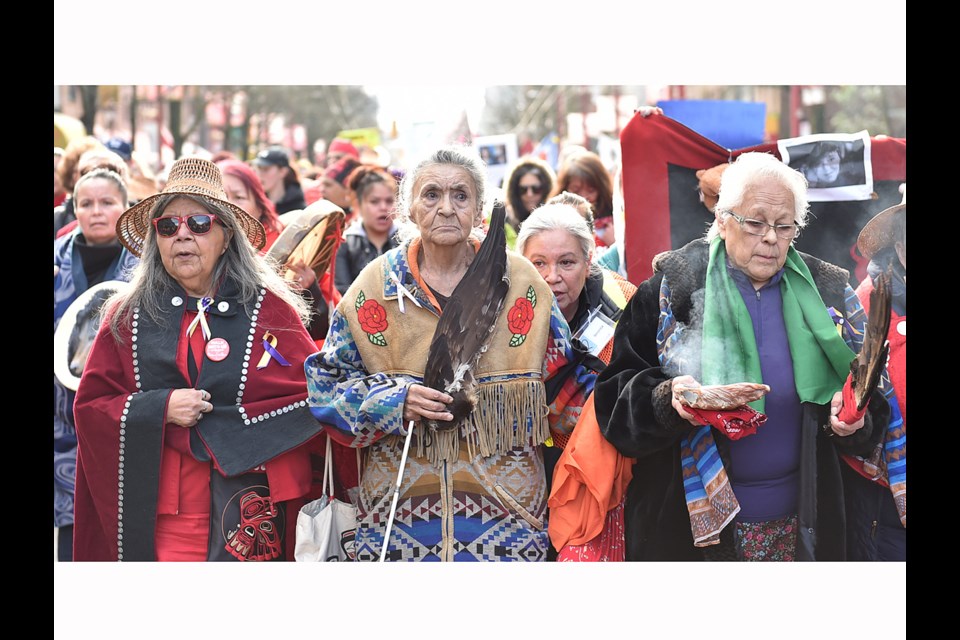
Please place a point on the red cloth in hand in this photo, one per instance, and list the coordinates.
(848, 411)
(735, 423)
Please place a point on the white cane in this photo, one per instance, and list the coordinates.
(396, 493)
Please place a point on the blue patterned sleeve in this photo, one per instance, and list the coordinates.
(344, 395)
(855, 323)
(894, 437)
(857, 326)
(566, 407)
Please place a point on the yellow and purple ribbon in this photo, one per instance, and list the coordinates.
(270, 351)
(202, 305)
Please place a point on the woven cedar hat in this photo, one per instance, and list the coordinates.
(188, 177)
(878, 233)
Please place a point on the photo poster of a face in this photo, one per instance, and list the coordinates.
(498, 153)
(837, 166)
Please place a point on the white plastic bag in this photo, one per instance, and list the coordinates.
(326, 527)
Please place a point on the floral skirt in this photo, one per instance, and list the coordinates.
(608, 546)
(771, 541)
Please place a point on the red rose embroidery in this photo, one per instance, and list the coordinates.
(373, 317)
(520, 317)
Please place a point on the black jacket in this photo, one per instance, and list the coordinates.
(355, 253)
(635, 415)
(291, 201)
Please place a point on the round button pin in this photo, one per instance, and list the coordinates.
(176, 301)
(217, 349)
(223, 306)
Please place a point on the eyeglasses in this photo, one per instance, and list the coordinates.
(759, 227)
(535, 189)
(198, 223)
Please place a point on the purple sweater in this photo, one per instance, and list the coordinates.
(765, 471)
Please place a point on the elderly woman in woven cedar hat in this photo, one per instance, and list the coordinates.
(191, 413)
(875, 486)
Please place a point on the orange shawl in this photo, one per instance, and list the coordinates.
(591, 478)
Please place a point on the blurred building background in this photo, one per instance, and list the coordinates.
(164, 122)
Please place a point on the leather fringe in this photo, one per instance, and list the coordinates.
(490, 427)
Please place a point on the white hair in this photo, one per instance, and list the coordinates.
(557, 216)
(745, 172)
(467, 158)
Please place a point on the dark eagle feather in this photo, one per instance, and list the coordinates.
(467, 323)
(866, 368)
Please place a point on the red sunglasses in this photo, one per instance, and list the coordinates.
(197, 223)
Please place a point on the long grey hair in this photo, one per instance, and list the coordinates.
(240, 263)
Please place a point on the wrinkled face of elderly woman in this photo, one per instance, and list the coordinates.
(444, 205)
(759, 256)
(98, 206)
(559, 258)
(191, 253)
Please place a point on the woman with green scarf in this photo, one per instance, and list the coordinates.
(741, 305)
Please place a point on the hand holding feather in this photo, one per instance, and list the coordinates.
(426, 403)
(866, 368)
